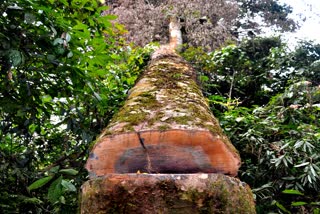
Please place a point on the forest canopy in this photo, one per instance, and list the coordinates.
(205, 23)
(65, 70)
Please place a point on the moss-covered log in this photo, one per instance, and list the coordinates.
(165, 126)
(166, 194)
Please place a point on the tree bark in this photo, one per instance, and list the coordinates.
(165, 126)
(166, 194)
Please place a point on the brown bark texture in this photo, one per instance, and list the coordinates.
(165, 126)
(166, 193)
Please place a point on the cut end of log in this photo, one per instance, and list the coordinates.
(166, 193)
(172, 151)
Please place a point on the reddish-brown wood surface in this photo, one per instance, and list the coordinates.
(172, 151)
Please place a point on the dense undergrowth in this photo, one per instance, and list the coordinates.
(268, 102)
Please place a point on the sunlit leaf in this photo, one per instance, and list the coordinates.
(302, 164)
(58, 41)
(281, 207)
(39, 183)
(68, 37)
(69, 171)
(55, 190)
(292, 192)
(70, 54)
(68, 185)
(298, 203)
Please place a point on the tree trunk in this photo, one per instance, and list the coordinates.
(165, 126)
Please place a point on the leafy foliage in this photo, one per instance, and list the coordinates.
(205, 23)
(272, 12)
(268, 104)
(64, 73)
(240, 74)
(279, 143)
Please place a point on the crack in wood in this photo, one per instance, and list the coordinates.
(149, 165)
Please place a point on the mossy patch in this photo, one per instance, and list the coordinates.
(164, 127)
(182, 120)
(155, 118)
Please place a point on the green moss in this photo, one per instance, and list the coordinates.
(183, 120)
(128, 128)
(137, 112)
(132, 118)
(167, 74)
(156, 118)
(177, 76)
(147, 100)
(163, 127)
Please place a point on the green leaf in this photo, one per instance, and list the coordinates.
(46, 98)
(51, 57)
(102, 9)
(29, 18)
(69, 171)
(33, 200)
(89, 8)
(65, 2)
(62, 200)
(54, 170)
(97, 96)
(281, 207)
(292, 192)
(111, 17)
(68, 185)
(70, 54)
(55, 190)
(316, 211)
(80, 26)
(39, 183)
(302, 164)
(68, 37)
(15, 57)
(298, 203)
(204, 78)
(58, 41)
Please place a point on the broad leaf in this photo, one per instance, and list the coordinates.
(55, 190)
(68, 185)
(298, 203)
(39, 183)
(69, 171)
(292, 192)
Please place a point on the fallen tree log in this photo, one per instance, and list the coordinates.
(141, 163)
(165, 126)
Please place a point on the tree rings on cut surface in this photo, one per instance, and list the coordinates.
(172, 151)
